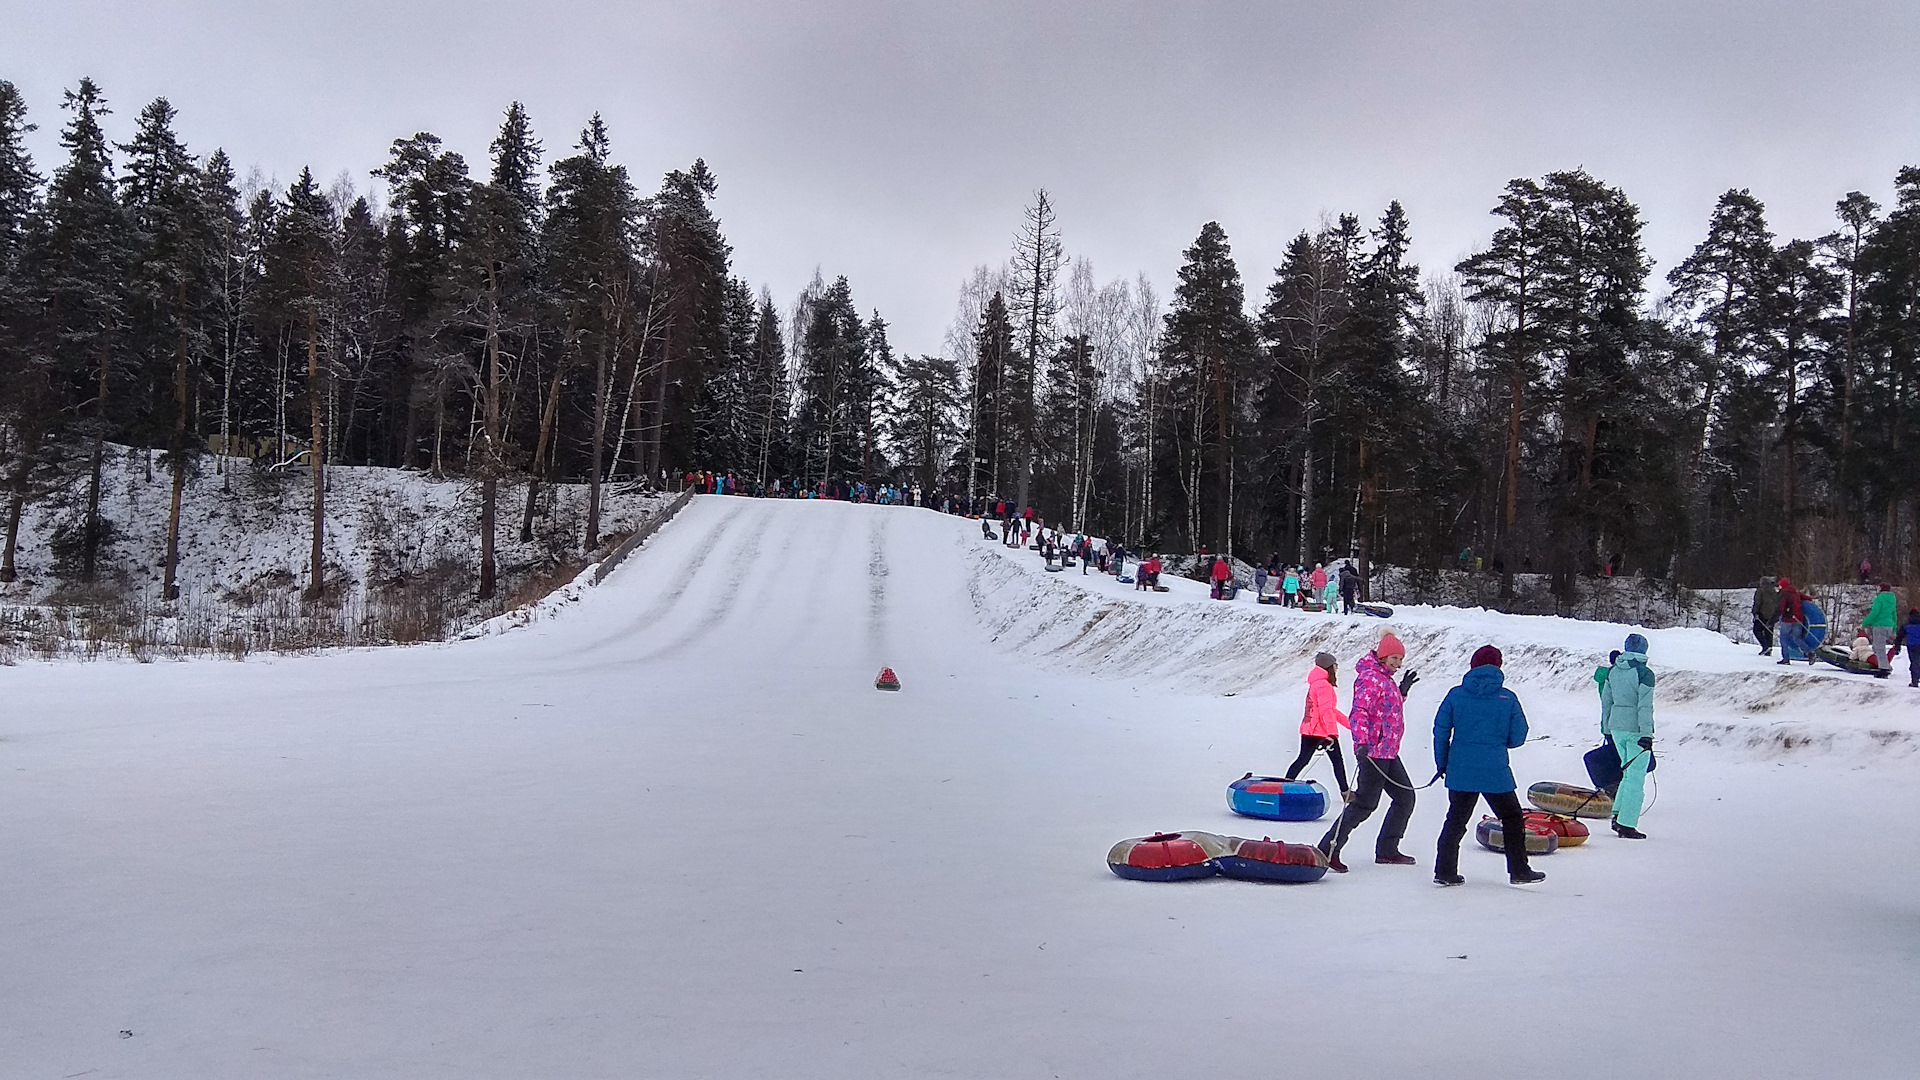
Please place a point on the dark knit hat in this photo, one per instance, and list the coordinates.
(1636, 643)
(1325, 660)
(1484, 655)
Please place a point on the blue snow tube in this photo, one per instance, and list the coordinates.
(1816, 632)
(1276, 798)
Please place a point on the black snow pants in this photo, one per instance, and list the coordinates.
(1763, 633)
(1313, 744)
(1913, 666)
(1377, 776)
(1505, 806)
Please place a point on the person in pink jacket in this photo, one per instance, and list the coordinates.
(1320, 728)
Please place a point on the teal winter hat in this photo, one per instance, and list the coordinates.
(1636, 643)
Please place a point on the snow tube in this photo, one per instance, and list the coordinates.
(1181, 856)
(1267, 859)
(1378, 611)
(1276, 798)
(1571, 832)
(1570, 800)
(886, 680)
(1540, 841)
(1162, 588)
(1125, 579)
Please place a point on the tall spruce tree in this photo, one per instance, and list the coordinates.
(74, 265)
(1208, 349)
(170, 289)
(24, 390)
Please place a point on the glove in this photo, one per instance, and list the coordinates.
(1646, 742)
(1407, 680)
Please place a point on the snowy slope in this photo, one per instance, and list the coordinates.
(246, 540)
(675, 833)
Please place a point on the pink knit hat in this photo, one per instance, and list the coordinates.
(1389, 646)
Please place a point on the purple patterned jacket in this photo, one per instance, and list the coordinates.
(1378, 720)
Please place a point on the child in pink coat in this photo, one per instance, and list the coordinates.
(1320, 728)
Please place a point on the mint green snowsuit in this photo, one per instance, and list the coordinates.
(1626, 715)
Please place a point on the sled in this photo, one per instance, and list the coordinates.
(1125, 580)
(1274, 600)
(1378, 611)
(1161, 588)
(1843, 659)
(1052, 569)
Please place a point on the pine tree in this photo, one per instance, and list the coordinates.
(301, 285)
(989, 421)
(23, 391)
(829, 418)
(591, 238)
(1508, 278)
(1207, 348)
(1306, 307)
(926, 421)
(690, 295)
(74, 264)
(170, 291)
(1037, 260)
(495, 271)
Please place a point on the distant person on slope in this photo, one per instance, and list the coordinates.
(1478, 722)
(1221, 574)
(1766, 613)
(1378, 722)
(1879, 623)
(1626, 716)
(1320, 727)
(1290, 587)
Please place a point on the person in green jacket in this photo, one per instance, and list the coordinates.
(1879, 624)
(1626, 716)
(1600, 673)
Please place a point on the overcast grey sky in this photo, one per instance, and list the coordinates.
(897, 142)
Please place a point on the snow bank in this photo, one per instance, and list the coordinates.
(1712, 690)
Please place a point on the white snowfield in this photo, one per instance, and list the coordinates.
(673, 831)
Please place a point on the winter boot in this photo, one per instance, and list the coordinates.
(1395, 859)
(1527, 878)
(1449, 879)
(1628, 832)
(1333, 860)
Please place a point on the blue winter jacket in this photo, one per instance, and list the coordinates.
(1478, 722)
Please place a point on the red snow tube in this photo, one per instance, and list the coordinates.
(1166, 856)
(1267, 859)
(1572, 833)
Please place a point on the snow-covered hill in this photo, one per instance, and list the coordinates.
(674, 831)
(402, 555)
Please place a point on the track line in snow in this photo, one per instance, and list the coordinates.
(681, 578)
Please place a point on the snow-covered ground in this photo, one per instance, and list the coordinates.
(674, 832)
(395, 540)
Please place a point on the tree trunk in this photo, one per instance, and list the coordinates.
(90, 552)
(540, 448)
(490, 460)
(16, 501)
(170, 586)
(317, 580)
(601, 390)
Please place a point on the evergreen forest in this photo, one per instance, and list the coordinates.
(1554, 403)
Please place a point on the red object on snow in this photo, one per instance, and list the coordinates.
(887, 680)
